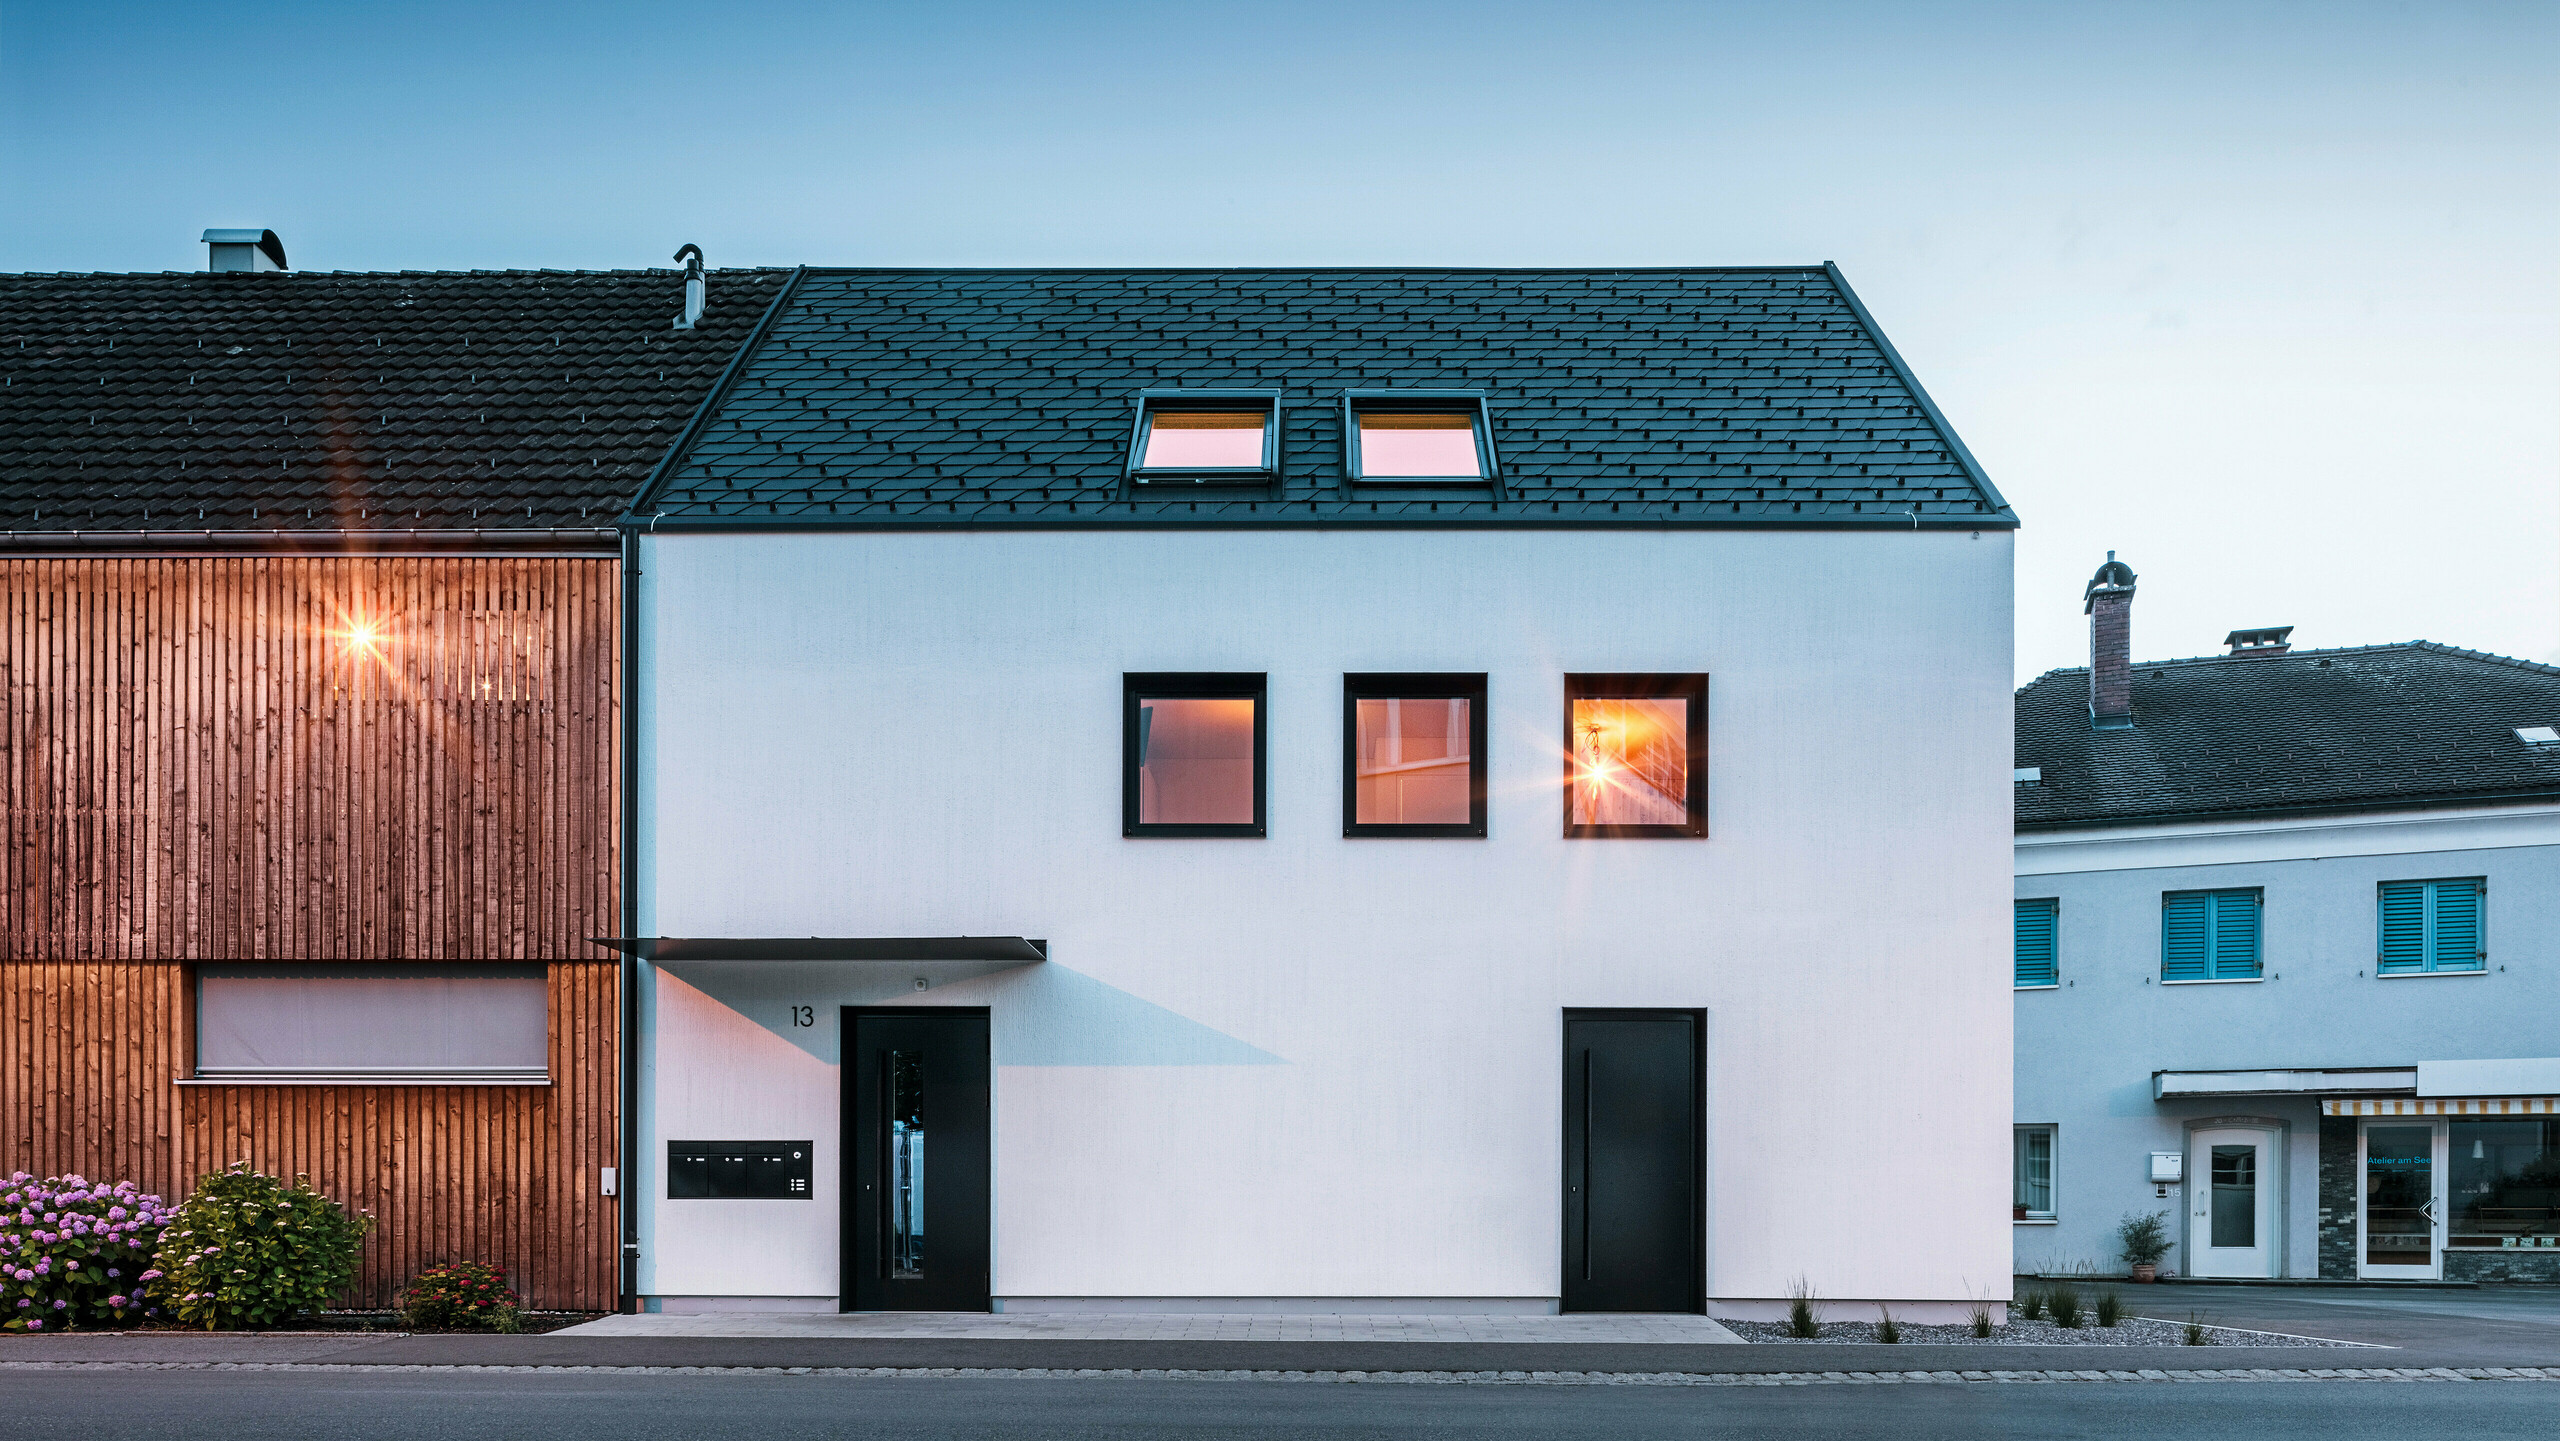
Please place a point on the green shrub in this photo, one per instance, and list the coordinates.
(460, 1296)
(248, 1250)
(1802, 1323)
(73, 1254)
(2064, 1302)
(2143, 1239)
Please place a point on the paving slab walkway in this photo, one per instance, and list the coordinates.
(1622, 1330)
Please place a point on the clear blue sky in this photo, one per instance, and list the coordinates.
(2261, 295)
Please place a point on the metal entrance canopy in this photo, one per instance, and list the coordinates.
(1011, 950)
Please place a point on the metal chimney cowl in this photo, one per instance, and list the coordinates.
(696, 293)
(249, 250)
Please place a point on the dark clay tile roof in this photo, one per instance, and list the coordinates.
(304, 401)
(2371, 727)
(897, 398)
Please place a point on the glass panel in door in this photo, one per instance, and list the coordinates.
(2402, 1210)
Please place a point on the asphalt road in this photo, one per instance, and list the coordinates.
(463, 1406)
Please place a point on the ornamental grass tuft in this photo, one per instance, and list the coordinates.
(2110, 1307)
(247, 1250)
(1802, 1322)
(2031, 1303)
(460, 1296)
(1888, 1331)
(2064, 1302)
(74, 1254)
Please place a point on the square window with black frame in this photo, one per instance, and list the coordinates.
(1635, 756)
(1193, 438)
(1413, 757)
(1193, 753)
(1417, 438)
(738, 1170)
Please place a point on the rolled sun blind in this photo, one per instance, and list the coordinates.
(2036, 962)
(1415, 420)
(1208, 420)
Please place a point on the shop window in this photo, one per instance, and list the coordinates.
(2036, 958)
(374, 1023)
(1635, 755)
(2430, 926)
(1413, 761)
(2209, 935)
(1192, 757)
(2504, 1183)
(2031, 1176)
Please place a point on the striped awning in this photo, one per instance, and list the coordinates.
(2441, 1106)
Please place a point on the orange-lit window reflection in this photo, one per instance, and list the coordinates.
(1630, 762)
(1412, 762)
(1405, 442)
(1204, 440)
(1195, 760)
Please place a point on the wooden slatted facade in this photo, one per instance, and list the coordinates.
(293, 758)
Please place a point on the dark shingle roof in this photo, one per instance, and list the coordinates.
(319, 402)
(2371, 727)
(897, 398)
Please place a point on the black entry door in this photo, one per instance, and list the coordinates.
(915, 1154)
(1631, 1208)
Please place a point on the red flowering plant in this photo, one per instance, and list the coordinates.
(460, 1296)
(75, 1254)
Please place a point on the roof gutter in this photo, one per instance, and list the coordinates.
(2273, 813)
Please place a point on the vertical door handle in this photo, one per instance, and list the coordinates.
(1586, 1165)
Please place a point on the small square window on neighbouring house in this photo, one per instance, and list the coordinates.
(1635, 755)
(1193, 751)
(1202, 438)
(2031, 1174)
(1417, 438)
(2210, 935)
(2432, 926)
(1413, 760)
(2037, 956)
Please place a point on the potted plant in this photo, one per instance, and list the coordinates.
(2144, 1240)
(2018, 1212)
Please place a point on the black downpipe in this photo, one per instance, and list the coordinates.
(628, 1298)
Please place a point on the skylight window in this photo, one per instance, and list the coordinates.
(2538, 735)
(1195, 438)
(1418, 438)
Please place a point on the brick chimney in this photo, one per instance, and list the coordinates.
(2109, 604)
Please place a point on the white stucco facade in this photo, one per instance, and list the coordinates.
(1311, 1070)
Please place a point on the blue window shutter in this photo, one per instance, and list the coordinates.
(2457, 926)
(2184, 939)
(2403, 946)
(2235, 935)
(2037, 964)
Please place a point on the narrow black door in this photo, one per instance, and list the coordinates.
(915, 1156)
(1631, 1217)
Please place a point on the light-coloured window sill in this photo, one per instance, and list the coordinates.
(2040, 986)
(505, 1078)
(2227, 981)
(2036, 1221)
(2428, 975)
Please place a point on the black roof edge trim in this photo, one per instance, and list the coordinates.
(583, 540)
(1928, 407)
(2445, 800)
(714, 525)
(1312, 269)
(711, 400)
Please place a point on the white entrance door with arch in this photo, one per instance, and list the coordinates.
(2234, 1178)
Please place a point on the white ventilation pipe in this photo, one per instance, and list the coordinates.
(696, 294)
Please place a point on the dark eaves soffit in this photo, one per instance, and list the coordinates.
(999, 399)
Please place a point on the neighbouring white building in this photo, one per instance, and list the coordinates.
(1418, 790)
(2284, 926)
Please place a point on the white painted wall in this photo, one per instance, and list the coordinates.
(1312, 1067)
(2086, 1050)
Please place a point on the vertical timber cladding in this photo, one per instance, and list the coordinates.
(314, 758)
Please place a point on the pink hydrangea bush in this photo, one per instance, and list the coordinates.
(73, 1254)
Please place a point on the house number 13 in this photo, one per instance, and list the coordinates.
(804, 1015)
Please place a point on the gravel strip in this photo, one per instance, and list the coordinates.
(1399, 1378)
(2131, 1331)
